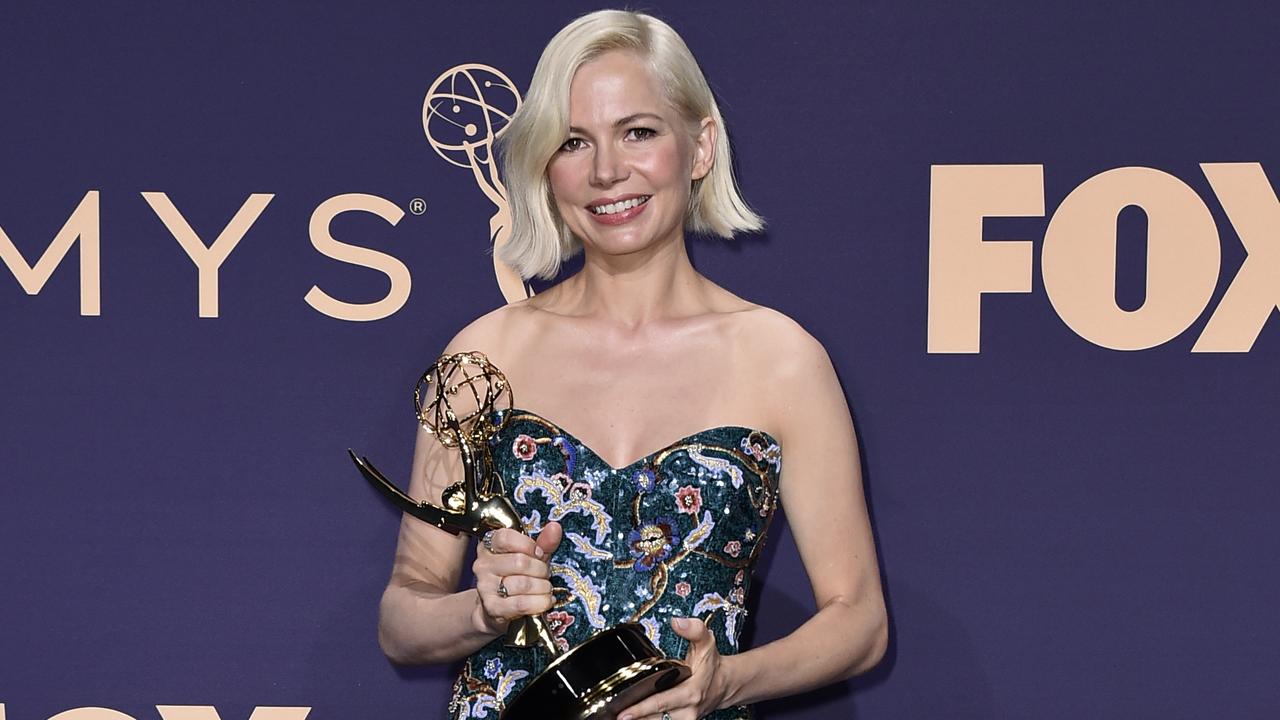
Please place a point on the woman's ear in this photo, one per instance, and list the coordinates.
(704, 148)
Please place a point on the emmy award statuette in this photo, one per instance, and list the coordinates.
(612, 669)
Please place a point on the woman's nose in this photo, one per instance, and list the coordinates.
(607, 167)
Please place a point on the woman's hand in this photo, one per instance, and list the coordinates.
(512, 576)
(699, 695)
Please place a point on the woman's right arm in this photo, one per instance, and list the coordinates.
(423, 617)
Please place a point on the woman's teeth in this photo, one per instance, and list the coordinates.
(619, 206)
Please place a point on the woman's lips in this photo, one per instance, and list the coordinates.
(619, 218)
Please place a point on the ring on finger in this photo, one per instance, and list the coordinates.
(502, 588)
(487, 540)
(666, 715)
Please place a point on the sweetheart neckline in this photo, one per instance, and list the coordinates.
(637, 461)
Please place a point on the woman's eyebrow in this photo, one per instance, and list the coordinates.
(623, 121)
(636, 116)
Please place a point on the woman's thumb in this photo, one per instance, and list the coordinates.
(549, 539)
(691, 629)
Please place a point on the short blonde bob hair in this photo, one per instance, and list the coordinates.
(540, 240)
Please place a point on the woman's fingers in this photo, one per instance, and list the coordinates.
(687, 699)
(523, 596)
(512, 575)
(512, 584)
(507, 564)
(532, 604)
(677, 701)
(525, 585)
(506, 540)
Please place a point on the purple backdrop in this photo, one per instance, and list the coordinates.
(1064, 530)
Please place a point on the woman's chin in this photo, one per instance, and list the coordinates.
(621, 246)
(622, 253)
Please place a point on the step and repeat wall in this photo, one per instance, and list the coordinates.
(1039, 242)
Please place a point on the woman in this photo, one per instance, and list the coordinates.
(618, 149)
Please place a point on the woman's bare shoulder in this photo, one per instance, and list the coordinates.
(497, 333)
(784, 357)
(762, 325)
(775, 339)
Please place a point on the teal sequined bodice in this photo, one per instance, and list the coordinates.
(674, 534)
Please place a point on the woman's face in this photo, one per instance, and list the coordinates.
(622, 179)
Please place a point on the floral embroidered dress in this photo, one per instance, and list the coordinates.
(673, 534)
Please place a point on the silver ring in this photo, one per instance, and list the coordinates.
(666, 715)
(487, 541)
(502, 591)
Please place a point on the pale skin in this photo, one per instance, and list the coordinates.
(636, 350)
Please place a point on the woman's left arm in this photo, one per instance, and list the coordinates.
(821, 490)
(827, 513)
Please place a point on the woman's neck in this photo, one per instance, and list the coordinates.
(631, 291)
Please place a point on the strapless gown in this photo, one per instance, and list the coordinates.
(674, 534)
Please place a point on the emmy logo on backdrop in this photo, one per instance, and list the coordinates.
(462, 400)
(465, 111)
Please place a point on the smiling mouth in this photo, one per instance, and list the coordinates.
(620, 206)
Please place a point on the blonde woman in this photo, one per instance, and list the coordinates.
(654, 412)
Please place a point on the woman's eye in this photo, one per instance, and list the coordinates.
(571, 145)
(641, 133)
